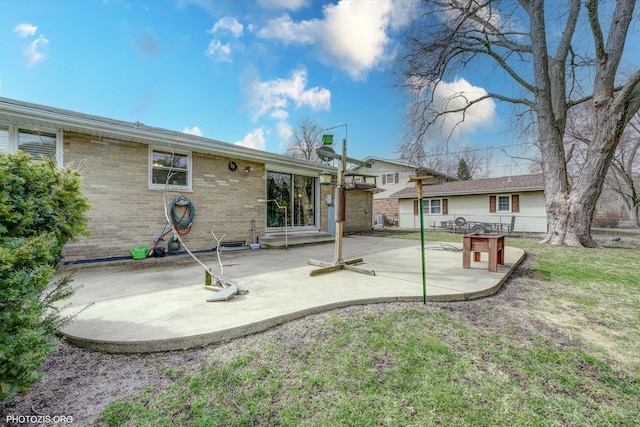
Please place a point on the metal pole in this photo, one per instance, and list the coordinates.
(418, 180)
(340, 224)
(286, 235)
(424, 275)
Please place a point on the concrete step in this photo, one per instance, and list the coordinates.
(298, 238)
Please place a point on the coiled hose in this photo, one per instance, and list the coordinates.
(181, 223)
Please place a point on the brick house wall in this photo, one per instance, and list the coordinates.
(358, 211)
(125, 213)
(387, 207)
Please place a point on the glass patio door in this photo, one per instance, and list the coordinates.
(304, 214)
(292, 200)
(279, 199)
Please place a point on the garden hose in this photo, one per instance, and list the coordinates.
(173, 245)
(182, 223)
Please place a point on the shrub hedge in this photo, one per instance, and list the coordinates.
(41, 208)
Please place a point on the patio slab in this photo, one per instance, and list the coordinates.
(159, 304)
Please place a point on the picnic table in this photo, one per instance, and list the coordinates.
(462, 225)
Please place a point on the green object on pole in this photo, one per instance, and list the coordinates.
(327, 139)
(424, 274)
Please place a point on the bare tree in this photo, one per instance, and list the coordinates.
(625, 168)
(439, 158)
(622, 178)
(532, 49)
(306, 138)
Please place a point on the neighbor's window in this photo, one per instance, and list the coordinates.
(504, 203)
(432, 206)
(390, 178)
(170, 169)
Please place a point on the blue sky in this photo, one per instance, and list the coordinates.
(241, 72)
(238, 71)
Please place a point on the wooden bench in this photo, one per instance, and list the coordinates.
(493, 244)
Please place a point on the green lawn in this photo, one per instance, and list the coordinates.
(559, 345)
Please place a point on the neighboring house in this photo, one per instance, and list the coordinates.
(490, 200)
(393, 176)
(125, 166)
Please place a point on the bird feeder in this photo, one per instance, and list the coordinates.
(327, 139)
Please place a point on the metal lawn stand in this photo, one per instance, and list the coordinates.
(338, 262)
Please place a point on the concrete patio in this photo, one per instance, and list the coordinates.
(159, 304)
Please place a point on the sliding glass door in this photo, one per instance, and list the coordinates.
(291, 200)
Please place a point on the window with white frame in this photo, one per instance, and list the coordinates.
(169, 169)
(40, 143)
(504, 203)
(432, 206)
(390, 178)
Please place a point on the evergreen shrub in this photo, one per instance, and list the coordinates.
(41, 208)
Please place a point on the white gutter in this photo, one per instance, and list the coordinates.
(67, 120)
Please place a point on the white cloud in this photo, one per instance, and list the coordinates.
(25, 30)
(224, 26)
(195, 130)
(254, 139)
(457, 94)
(227, 25)
(485, 14)
(353, 35)
(283, 4)
(32, 52)
(273, 95)
(285, 131)
(279, 114)
(219, 51)
(285, 30)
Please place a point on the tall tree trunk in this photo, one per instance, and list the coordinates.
(571, 213)
(549, 88)
(570, 208)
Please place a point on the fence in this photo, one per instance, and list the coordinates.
(615, 222)
(523, 223)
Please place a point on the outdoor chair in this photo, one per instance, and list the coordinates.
(508, 227)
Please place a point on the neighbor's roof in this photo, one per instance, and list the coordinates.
(407, 165)
(503, 184)
(39, 116)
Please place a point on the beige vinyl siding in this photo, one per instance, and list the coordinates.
(530, 218)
